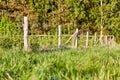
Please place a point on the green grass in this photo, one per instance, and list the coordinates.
(75, 64)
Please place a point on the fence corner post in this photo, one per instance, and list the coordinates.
(59, 36)
(25, 33)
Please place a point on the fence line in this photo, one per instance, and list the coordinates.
(77, 43)
(87, 39)
(108, 39)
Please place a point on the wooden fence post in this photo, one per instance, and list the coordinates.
(113, 41)
(59, 36)
(101, 39)
(95, 39)
(87, 40)
(76, 39)
(106, 41)
(25, 33)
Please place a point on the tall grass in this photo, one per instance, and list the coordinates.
(74, 64)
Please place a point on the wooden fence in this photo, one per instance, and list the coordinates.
(78, 40)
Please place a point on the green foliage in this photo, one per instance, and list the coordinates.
(85, 14)
(46, 15)
(8, 28)
(79, 64)
(8, 34)
(6, 43)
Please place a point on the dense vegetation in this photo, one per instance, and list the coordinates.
(46, 15)
(97, 63)
(78, 64)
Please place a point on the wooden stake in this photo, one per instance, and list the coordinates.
(113, 41)
(101, 32)
(87, 40)
(106, 41)
(101, 36)
(59, 36)
(76, 39)
(95, 39)
(26, 33)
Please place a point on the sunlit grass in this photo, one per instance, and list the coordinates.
(98, 63)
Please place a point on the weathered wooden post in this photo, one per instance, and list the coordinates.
(106, 40)
(87, 40)
(95, 39)
(101, 39)
(59, 36)
(101, 32)
(113, 41)
(25, 33)
(76, 39)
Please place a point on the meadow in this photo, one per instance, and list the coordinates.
(96, 63)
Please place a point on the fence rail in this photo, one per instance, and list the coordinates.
(69, 40)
